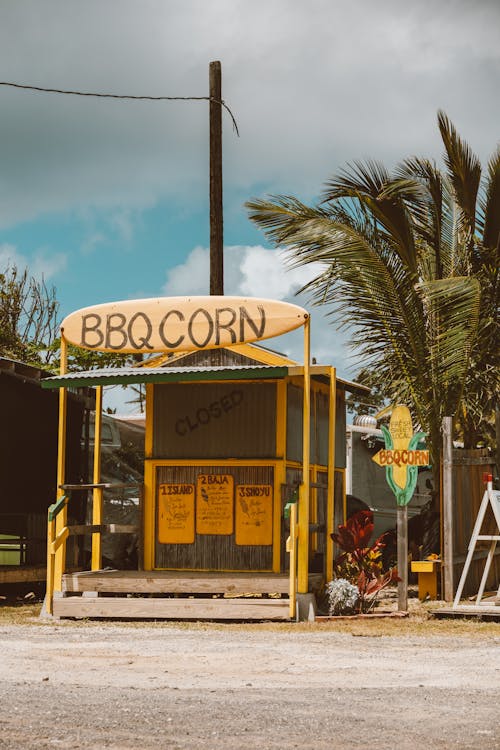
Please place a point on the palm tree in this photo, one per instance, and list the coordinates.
(409, 262)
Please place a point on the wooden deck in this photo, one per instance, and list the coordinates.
(22, 573)
(172, 608)
(162, 594)
(174, 582)
(489, 609)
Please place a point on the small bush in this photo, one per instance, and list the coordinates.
(342, 597)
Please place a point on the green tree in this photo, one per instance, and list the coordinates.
(28, 317)
(29, 326)
(409, 261)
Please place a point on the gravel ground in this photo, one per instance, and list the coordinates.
(156, 686)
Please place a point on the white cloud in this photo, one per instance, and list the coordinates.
(255, 271)
(48, 266)
(260, 272)
(122, 223)
(42, 265)
(92, 242)
(191, 276)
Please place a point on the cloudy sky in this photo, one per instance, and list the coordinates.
(109, 199)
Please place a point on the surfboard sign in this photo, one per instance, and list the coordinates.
(176, 324)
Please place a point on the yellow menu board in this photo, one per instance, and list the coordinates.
(254, 514)
(214, 504)
(176, 513)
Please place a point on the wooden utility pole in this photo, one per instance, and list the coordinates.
(402, 547)
(216, 216)
(447, 506)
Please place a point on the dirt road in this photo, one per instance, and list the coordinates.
(158, 686)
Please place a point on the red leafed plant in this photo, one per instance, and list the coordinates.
(361, 563)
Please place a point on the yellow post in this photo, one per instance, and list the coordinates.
(97, 492)
(291, 548)
(303, 551)
(51, 525)
(148, 497)
(61, 520)
(330, 504)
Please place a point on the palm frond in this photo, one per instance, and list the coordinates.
(366, 183)
(453, 308)
(464, 170)
(490, 205)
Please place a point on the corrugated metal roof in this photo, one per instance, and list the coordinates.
(353, 387)
(125, 375)
(131, 375)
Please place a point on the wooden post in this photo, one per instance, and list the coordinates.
(402, 532)
(216, 215)
(304, 495)
(447, 506)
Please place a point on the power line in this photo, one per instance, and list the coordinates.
(125, 96)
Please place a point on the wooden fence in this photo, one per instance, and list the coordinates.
(468, 489)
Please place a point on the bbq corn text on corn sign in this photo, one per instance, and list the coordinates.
(401, 457)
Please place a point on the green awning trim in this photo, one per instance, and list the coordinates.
(130, 376)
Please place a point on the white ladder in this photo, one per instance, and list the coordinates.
(491, 498)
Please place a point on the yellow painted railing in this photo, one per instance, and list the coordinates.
(291, 548)
(56, 539)
(52, 548)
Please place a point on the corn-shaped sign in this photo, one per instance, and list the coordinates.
(401, 457)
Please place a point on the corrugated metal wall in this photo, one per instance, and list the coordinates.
(215, 420)
(340, 430)
(214, 551)
(319, 427)
(294, 423)
(321, 495)
(338, 515)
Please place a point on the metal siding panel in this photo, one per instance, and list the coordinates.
(322, 428)
(319, 426)
(294, 420)
(215, 420)
(340, 430)
(322, 478)
(338, 504)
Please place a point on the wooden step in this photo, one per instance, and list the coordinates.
(173, 582)
(174, 609)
